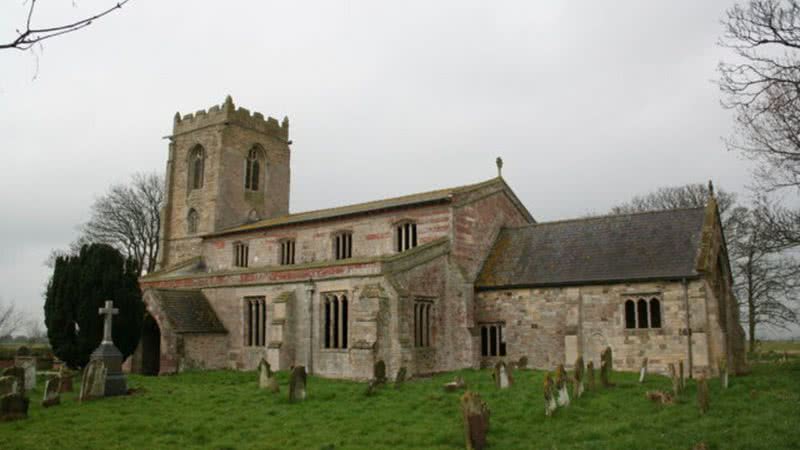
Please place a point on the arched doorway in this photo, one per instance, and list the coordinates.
(151, 346)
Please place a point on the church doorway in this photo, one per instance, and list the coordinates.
(151, 346)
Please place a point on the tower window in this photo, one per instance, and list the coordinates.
(287, 252)
(197, 161)
(240, 254)
(255, 321)
(252, 173)
(343, 245)
(335, 311)
(406, 235)
(492, 341)
(191, 221)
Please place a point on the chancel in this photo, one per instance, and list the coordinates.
(433, 281)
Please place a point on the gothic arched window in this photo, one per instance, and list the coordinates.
(630, 314)
(252, 172)
(191, 221)
(655, 313)
(197, 162)
(641, 310)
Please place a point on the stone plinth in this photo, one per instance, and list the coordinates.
(116, 383)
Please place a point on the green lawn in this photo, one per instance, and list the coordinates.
(779, 346)
(225, 409)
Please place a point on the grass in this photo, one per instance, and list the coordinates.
(226, 410)
(779, 346)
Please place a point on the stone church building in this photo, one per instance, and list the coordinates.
(434, 281)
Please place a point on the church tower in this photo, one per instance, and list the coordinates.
(226, 167)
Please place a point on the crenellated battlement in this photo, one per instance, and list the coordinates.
(228, 113)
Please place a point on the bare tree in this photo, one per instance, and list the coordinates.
(127, 218)
(31, 35)
(11, 320)
(762, 87)
(766, 281)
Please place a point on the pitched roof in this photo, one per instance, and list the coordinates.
(188, 311)
(360, 208)
(652, 245)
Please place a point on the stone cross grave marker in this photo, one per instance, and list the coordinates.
(297, 384)
(8, 385)
(52, 389)
(115, 382)
(109, 312)
(476, 420)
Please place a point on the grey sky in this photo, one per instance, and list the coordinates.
(588, 103)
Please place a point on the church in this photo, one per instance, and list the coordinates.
(433, 281)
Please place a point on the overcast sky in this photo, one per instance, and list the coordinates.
(588, 103)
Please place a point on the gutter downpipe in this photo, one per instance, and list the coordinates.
(688, 325)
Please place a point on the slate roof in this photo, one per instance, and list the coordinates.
(188, 311)
(652, 245)
(360, 208)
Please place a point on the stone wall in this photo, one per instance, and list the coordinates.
(554, 325)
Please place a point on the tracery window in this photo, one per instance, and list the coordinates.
(197, 161)
(643, 313)
(335, 310)
(191, 221)
(252, 175)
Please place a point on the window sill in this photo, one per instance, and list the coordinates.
(334, 350)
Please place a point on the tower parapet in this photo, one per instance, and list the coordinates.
(227, 113)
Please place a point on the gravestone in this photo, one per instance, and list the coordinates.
(590, 374)
(66, 376)
(682, 379)
(372, 386)
(577, 391)
(18, 373)
(28, 365)
(110, 356)
(24, 350)
(550, 404)
(476, 420)
(664, 398)
(702, 394)
(297, 384)
(8, 385)
(522, 363)
(723, 372)
(502, 375)
(52, 389)
(400, 378)
(455, 385)
(93, 381)
(606, 367)
(561, 386)
(14, 407)
(379, 372)
(676, 382)
(266, 378)
(643, 370)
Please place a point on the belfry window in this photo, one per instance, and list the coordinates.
(241, 253)
(255, 321)
(252, 176)
(287, 252)
(406, 236)
(191, 221)
(197, 161)
(335, 309)
(643, 313)
(422, 323)
(492, 341)
(343, 245)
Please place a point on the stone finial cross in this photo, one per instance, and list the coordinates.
(109, 311)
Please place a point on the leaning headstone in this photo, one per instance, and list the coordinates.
(93, 381)
(522, 363)
(455, 385)
(577, 391)
(8, 385)
(723, 372)
(550, 404)
(52, 389)
(606, 367)
(266, 378)
(643, 370)
(590, 374)
(682, 379)
(561, 386)
(502, 375)
(14, 407)
(379, 372)
(297, 384)
(702, 394)
(676, 381)
(476, 420)
(400, 378)
(28, 365)
(18, 373)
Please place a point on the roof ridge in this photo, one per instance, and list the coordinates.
(607, 216)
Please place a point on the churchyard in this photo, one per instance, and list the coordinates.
(227, 409)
